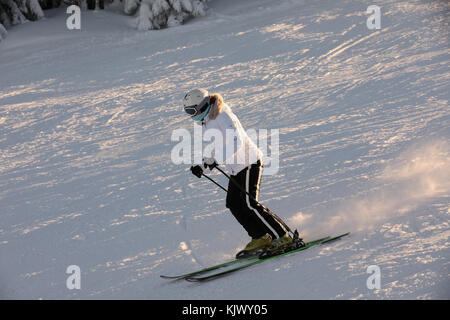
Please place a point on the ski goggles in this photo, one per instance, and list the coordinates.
(198, 108)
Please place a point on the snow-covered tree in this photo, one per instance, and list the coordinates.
(81, 3)
(2, 32)
(36, 12)
(48, 4)
(131, 6)
(88, 4)
(156, 14)
(151, 14)
(14, 12)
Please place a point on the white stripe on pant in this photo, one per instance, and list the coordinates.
(247, 199)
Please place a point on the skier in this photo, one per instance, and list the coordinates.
(268, 232)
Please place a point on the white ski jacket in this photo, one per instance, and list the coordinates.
(237, 150)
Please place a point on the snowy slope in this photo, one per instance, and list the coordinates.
(86, 176)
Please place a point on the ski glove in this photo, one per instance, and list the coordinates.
(209, 163)
(197, 171)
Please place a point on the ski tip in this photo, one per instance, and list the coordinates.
(336, 237)
(170, 277)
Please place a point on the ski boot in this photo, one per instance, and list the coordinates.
(255, 247)
(281, 245)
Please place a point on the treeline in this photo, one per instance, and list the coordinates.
(150, 14)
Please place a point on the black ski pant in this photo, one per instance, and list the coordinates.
(256, 219)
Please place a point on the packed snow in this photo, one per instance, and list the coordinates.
(86, 176)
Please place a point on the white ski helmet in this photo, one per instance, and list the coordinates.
(194, 100)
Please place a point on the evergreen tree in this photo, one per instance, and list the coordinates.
(156, 14)
(2, 31)
(35, 10)
(49, 4)
(14, 12)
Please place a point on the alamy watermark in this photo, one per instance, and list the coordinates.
(191, 149)
(73, 22)
(374, 20)
(74, 280)
(373, 281)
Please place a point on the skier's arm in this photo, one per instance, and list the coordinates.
(232, 137)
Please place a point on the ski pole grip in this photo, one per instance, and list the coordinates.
(197, 171)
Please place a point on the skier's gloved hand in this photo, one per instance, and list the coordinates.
(197, 171)
(209, 163)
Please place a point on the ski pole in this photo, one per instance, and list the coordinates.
(214, 182)
(198, 172)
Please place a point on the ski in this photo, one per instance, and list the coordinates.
(193, 278)
(215, 267)
(219, 266)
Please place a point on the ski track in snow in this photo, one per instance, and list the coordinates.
(86, 176)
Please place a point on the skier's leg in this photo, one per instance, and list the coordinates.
(236, 202)
(272, 223)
